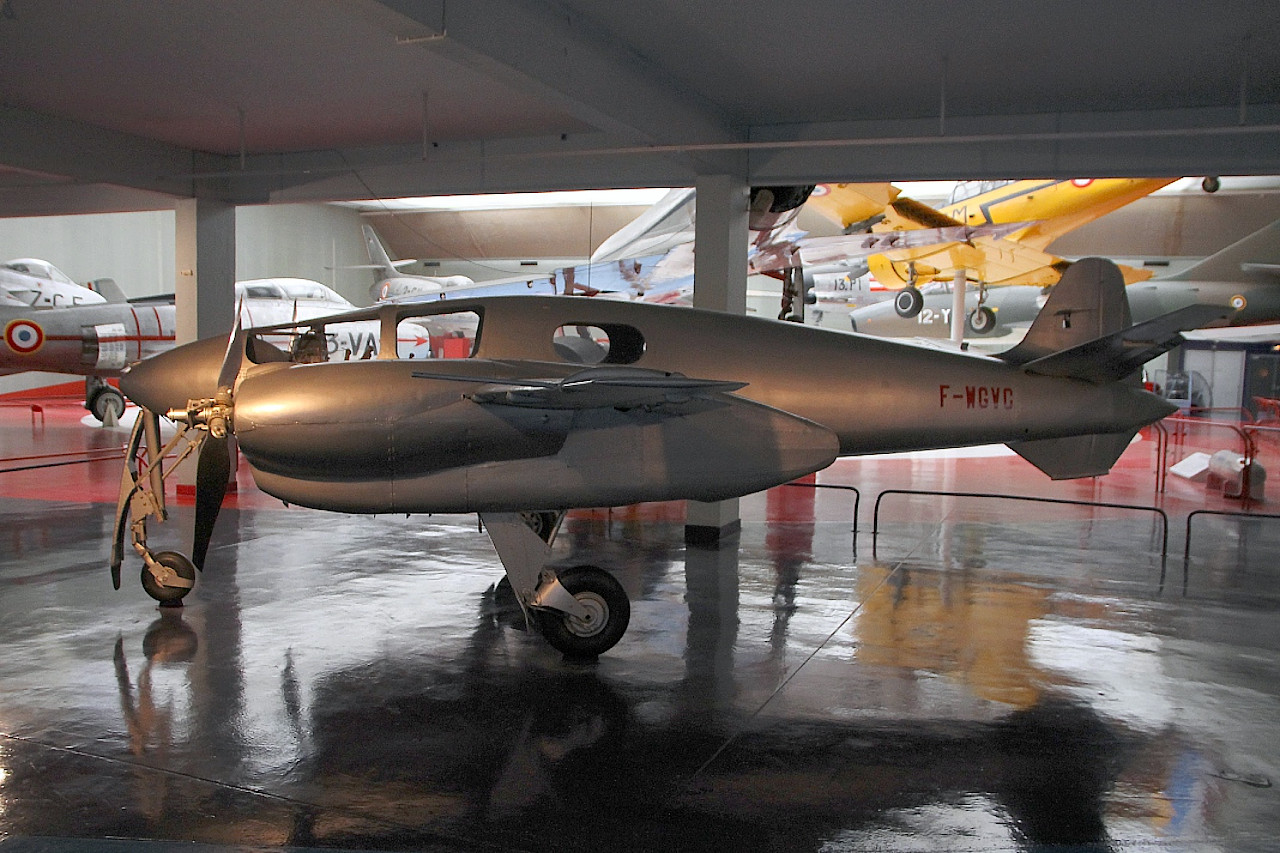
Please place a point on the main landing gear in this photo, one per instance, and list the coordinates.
(582, 611)
(103, 400)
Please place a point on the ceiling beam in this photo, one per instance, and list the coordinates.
(1146, 144)
(564, 59)
(79, 153)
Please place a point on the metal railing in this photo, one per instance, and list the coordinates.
(1164, 517)
(857, 501)
(1186, 542)
(80, 458)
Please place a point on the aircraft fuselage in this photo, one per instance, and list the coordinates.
(373, 437)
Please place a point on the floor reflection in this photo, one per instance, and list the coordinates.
(342, 697)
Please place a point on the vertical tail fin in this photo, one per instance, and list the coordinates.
(378, 256)
(1087, 303)
(1075, 456)
(1230, 264)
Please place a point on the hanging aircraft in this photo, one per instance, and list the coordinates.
(1244, 276)
(394, 286)
(1014, 220)
(1049, 209)
(676, 404)
(651, 258)
(100, 340)
(33, 283)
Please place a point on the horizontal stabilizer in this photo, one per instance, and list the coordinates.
(1077, 456)
(1119, 354)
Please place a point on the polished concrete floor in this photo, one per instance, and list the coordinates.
(978, 675)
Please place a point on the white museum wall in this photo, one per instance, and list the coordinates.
(137, 250)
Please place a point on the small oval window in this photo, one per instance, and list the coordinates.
(582, 343)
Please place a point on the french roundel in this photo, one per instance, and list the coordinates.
(23, 336)
(1081, 182)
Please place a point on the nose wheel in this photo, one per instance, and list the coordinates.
(168, 576)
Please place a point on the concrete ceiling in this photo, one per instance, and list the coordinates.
(127, 104)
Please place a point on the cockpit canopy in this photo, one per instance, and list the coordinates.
(38, 269)
(968, 189)
(288, 289)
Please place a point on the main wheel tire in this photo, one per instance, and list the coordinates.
(609, 612)
(107, 399)
(181, 566)
(981, 320)
(908, 302)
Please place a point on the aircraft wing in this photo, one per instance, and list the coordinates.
(595, 387)
(822, 251)
(665, 225)
(1004, 262)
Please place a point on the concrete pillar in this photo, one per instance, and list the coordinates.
(958, 287)
(204, 290)
(205, 252)
(719, 284)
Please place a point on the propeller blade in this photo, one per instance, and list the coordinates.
(212, 473)
(231, 361)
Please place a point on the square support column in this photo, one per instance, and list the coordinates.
(204, 289)
(719, 284)
(205, 252)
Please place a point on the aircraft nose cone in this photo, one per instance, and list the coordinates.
(168, 380)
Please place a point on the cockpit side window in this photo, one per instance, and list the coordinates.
(613, 343)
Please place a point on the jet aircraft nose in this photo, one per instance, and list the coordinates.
(168, 380)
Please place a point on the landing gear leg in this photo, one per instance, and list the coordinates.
(167, 576)
(582, 611)
(982, 320)
(909, 301)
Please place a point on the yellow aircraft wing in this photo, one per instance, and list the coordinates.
(998, 262)
(1050, 209)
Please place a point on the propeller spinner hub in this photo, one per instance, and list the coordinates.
(213, 414)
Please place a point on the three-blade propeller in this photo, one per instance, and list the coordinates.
(213, 465)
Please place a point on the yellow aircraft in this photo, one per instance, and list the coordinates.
(1052, 208)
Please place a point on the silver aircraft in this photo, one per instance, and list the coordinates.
(665, 404)
(99, 340)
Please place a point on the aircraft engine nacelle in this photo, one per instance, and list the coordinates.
(771, 206)
(368, 438)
